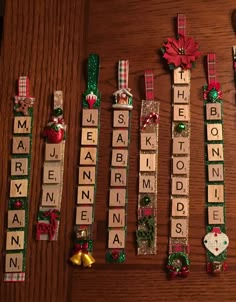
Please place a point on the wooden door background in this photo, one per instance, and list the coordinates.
(50, 40)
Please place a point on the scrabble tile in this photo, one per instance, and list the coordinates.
(117, 197)
(87, 175)
(214, 132)
(88, 156)
(213, 111)
(89, 136)
(90, 117)
(216, 215)
(148, 141)
(121, 118)
(18, 188)
(147, 162)
(180, 185)
(147, 183)
(179, 228)
(19, 166)
(215, 172)
(85, 195)
(180, 165)
(13, 262)
(16, 219)
(51, 173)
(181, 145)
(22, 124)
(118, 177)
(21, 145)
(181, 113)
(84, 215)
(51, 196)
(116, 239)
(15, 240)
(215, 152)
(116, 218)
(54, 152)
(181, 94)
(215, 193)
(180, 207)
(119, 158)
(181, 76)
(120, 138)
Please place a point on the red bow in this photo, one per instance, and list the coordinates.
(81, 247)
(181, 273)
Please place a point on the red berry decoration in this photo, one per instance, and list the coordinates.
(18, 204)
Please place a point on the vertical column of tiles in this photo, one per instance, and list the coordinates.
(48, 219)
(18, 203)
(118, 194)
(87, 172)
(215, 240)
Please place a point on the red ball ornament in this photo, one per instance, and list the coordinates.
(18, 204)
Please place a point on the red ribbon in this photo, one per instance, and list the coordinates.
(153, 116)
(81, 247)
(181, 273)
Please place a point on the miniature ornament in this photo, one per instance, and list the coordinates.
(216, 241)
(55, 130)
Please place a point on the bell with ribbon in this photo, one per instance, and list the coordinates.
(81, 256)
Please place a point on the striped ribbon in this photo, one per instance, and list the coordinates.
(181, 24)
(123, 74)
(149, 88)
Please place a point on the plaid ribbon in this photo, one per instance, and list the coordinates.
(123, 74)
(23, 86)
(149, 88)
(14, 277)
(181, 24)
(211, 70)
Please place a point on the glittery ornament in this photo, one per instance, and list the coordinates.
(180, 127)
(145, 200)
(58, 111)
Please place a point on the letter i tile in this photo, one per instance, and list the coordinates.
(148, 167)
(180, 54)
(48, 219)
(118, 197)
(18, 203)
(88, 164)
(215, 240)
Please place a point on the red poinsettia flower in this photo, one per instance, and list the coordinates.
(181, 52)
(210, 88)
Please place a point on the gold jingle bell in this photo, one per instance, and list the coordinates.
(76, 259)
(82, 258)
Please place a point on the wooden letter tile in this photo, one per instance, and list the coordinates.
(22, 124)
(213, 111)
(181, 76)
(84, 215)
(51, 173)
(85, 195)
(216, 215)
(147, 162)
(148, 141)
(18, 188)
(88, 156)
(214, 132)
(116, 218)
(16, 219)
(180, 207)
(118, 177)
(120, 138)
(180, 145)
(181, 113)
(21, 145)
(215, 152)
(19, 166)
(15, 240)
(119, 157)
(116, 239)
(179, 228)
(216, 172)
(54, 152)
(89, 136)
(87, 175)
(51, 196)
(181, 94)
(180, 165)
(147, 183)
(117, 197)
(13, 262)
(121, 118)
(180, 186)
(90, 117)
(215, 193)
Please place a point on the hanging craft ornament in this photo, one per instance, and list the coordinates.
(118, 195)
(215, 241)
(18, 203)
(86, 189)
(146, 234)
(181, 54)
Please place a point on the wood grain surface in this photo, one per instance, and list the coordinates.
(50, 40)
